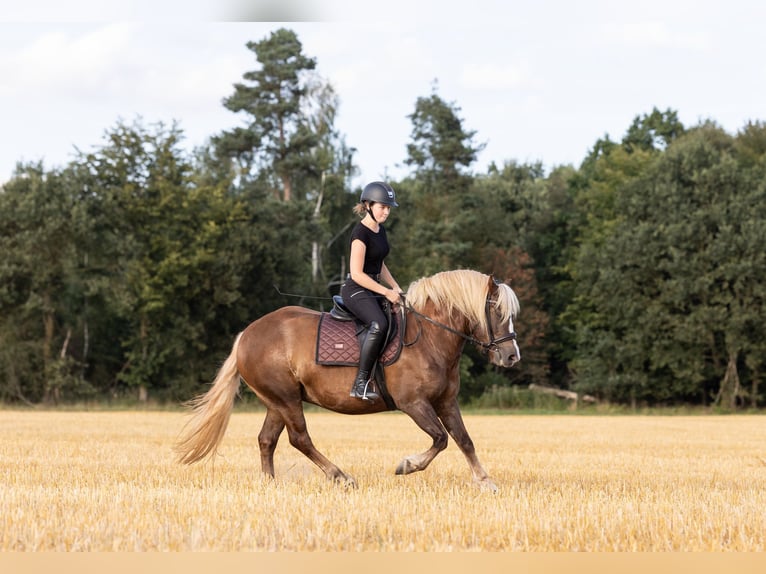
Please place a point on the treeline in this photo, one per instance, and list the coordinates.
(641, 272)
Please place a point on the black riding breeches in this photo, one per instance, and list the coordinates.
(365, 304)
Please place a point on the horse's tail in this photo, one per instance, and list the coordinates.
(210, 413)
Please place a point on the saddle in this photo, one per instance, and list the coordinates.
(340, 334)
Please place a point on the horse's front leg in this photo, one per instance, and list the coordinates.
(425, 417)
(453, 421)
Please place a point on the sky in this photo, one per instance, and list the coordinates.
(538, 81)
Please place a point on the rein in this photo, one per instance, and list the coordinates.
(493, 343)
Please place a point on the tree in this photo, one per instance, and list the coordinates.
(159, 239)
(532, 217)
(439, 194)
(593, 219)
(653, 131)
(514, 267)
(292, 139)
(440, 148)
(37, 239)
(674, 290)
(277, 137)
(328, 187)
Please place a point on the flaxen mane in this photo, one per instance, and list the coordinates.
(464, 290)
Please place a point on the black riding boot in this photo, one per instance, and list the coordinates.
(367, 357)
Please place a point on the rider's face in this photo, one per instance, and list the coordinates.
(380, 211)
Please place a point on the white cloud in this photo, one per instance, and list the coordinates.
(495, 77)
(656, 34)
(65, 64)
(109, 10)
(120, 66)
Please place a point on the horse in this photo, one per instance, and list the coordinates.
(274, 356)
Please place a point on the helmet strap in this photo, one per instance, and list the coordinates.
(369, 210)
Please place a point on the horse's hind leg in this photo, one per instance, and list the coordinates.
(272, 427)
(453, 422)
(293, 418)
(425, 417)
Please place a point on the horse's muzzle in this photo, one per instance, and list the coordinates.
(505, 356)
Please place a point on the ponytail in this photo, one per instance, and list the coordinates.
(360, 209)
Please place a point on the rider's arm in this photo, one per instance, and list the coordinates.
(356, 269)
(386, 276)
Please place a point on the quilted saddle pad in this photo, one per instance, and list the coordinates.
(338, 344)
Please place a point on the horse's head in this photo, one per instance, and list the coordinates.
(488, 308)
(501, 308)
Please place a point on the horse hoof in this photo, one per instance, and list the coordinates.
(487, 485)
(345, 481)
(405, 467)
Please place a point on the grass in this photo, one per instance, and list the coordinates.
(105, 480)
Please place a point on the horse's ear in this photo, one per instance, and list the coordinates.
(493, 284)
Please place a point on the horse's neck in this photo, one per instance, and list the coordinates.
(444, 330)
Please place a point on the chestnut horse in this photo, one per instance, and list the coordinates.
(275, 356)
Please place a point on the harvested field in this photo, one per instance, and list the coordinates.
(103, 481)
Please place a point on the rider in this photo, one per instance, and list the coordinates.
(363, 289)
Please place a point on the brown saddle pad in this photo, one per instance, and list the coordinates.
(337, 343)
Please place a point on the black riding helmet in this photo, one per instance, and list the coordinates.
(379, 192)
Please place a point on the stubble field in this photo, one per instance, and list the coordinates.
(103, 481)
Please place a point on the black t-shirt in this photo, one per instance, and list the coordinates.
(377, 247)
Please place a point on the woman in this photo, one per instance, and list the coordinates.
(363, 291)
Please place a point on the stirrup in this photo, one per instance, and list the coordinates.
(365, 395)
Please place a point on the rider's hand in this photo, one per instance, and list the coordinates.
(393, 296)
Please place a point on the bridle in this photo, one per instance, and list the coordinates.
(491, 345)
